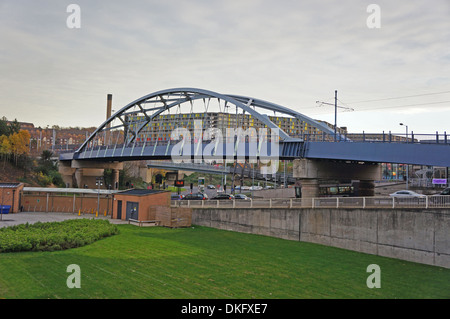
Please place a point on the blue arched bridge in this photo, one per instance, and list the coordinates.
(197, 124)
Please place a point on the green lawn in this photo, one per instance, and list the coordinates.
(201, 262)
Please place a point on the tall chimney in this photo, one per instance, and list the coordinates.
(108, 115)
(109, 107)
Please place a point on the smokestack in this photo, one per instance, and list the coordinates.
(109, 107)
(108, 115)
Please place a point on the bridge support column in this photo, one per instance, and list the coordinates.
(115, 179)
(311, 171)
(84, 173)
(366, 188)
(310, 188)
(86, 177)
(67, 173)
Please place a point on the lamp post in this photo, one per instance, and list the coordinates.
(98, 182)
(407, 166)
(406, 131)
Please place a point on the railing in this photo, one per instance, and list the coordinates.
(439, 138)
(426, 202)
(410, 138)
(98, 144)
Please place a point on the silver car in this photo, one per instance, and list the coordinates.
(407, 194)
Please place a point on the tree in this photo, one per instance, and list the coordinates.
(14, 127)
(45, 163)
(46, 155)
(5, 147)
(19, 144)
(4, 128)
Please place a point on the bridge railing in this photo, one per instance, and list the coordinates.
(427, 202)
(384, 137)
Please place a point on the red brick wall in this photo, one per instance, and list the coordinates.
(147, 204)
(58, 203)
(11, 197)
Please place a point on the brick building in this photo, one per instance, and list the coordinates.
(55, 138)
(11, 196)
(145, 206)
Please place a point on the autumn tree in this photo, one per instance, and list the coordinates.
(19, 144)
(5, 148)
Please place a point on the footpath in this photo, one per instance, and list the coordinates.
(32, 217)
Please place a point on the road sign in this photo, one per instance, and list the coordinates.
(179, 183)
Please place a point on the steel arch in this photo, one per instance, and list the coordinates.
(281, 109)
(191, 94)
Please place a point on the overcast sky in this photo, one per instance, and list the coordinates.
(292, 53)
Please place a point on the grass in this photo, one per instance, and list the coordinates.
(202, 262)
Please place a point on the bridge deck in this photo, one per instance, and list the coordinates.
(432, 154)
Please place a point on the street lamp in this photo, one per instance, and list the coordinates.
(98, 182)
(406, 131)
(407, 166)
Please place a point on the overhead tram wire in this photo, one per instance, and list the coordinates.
(401, 106)
(394, 106)
(389, 99)
(400, 97)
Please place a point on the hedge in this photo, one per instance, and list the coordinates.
(54, 235)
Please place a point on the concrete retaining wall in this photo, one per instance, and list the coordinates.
(416, 235)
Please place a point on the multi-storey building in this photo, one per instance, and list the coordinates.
(161, 129)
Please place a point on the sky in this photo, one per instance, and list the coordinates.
(389, 65)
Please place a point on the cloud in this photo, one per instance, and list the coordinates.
(287, 52)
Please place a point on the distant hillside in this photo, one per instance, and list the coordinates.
(11, 174)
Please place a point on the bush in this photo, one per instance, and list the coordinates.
(54, 235)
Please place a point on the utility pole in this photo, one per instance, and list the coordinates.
(98, 182)
(336, 106)
(335, 114)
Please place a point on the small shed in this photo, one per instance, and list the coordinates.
(147, 206)
(11, 197)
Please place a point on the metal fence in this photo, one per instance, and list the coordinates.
(426, 202)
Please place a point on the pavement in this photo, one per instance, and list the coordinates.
(32, 217)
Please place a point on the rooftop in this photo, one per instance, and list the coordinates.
(9, 185)
(141, 192)
(68, 190)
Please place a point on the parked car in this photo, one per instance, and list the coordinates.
(176, 197)
(407, 194)
(196, 196)
(241, 196)
(444, 192)
(440, 198)
(223, 196)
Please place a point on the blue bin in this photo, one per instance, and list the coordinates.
(5, 209)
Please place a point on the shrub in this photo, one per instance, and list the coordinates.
(54, 235)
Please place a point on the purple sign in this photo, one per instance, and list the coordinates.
(440, 181)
